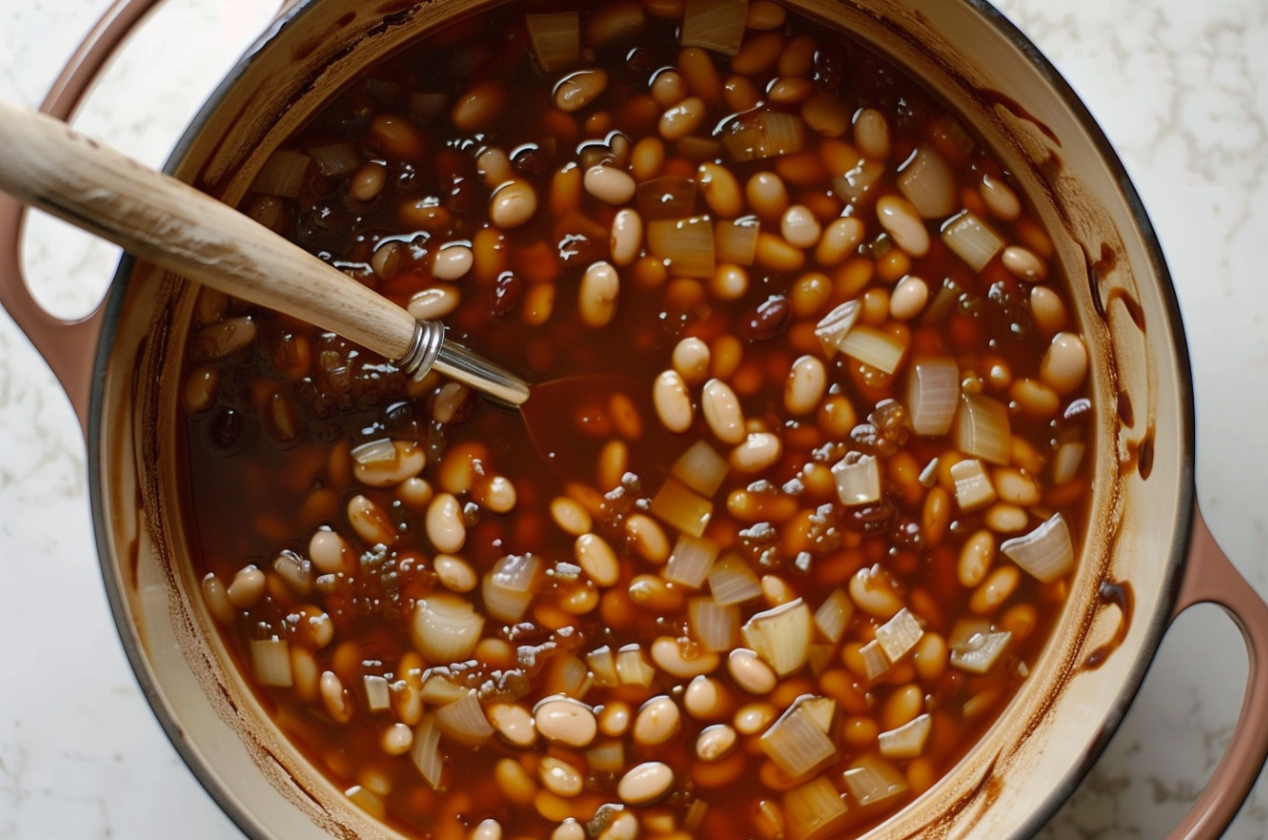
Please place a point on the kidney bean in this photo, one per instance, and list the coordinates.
(766, 320)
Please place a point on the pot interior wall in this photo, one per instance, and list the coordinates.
(1077, 692)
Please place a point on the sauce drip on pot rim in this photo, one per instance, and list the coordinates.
(812, 551)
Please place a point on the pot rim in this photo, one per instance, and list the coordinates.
(1066, 95)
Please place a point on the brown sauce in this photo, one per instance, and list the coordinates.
(277, 412)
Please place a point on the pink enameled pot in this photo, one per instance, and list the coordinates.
(1150, 558)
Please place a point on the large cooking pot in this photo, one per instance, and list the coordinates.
(1149, 558)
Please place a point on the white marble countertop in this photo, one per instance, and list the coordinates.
(1181, 89)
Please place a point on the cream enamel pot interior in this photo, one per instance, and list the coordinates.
(1150, 558)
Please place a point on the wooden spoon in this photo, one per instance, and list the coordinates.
(48, 165)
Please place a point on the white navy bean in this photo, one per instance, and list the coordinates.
(909, 298)
(691, 360)
(434, 303)
(626, 240)
(444, 525)
(1065, 363)
(750, 672)
(577, 90)
(1024, 263)
(512, 204)
(903, 223)
(657, 721)
(609, 184)
(721, 408)
(756, 452)
(598, 295)
(673, 402)
(452, 262)
(247, 587)
(565, 721)
(799, 227)
(597, 559)
(645, 783)
(806, 384)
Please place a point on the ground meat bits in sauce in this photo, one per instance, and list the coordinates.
(782, 582)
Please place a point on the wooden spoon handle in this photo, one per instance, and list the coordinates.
(50, 166)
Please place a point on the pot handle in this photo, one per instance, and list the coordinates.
(1210, 578)
(66, 345)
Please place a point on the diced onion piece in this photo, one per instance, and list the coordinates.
(715, 626)
(982, 429)
(899, 635)
(872, 779)
(965, 629)
(701, 468)
(929, 475)
(735, 241)
(732, 581)
(873, 347)
(679, 506)
(556, 39)
(632, 667)
(833, 616)
(697, 149)
(716, 25)
(943, 303)
(427, 105)
(666, 197)
(271, 659)
(426, 751)
(690, 560)
(765, 134)
(602, 663)
(908, 740)
(282, 174)
(606, 757)
(1065, 466)
(821, 710)
(928, 183)
(971, 240)
(834, 326)
(695, 815)
(853, 186)
(509, 586)
(445, 628)
(439, 690)
(874, 661)
(1046, 552)
(796, 743)
(858, 478)
(336, 160)
(376, 451)
(378, 695)
(615, 20)
(821, 656)
(933, 394)
(568, 675)
(814, 810)
(781, 635)
(980, 702)
(464, 721)
(973, 487)
(367, 800)
(686, 245)
(981, 651)
(295, 570)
